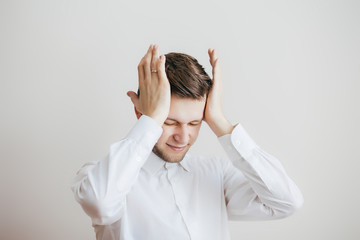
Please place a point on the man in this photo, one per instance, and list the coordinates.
(148, 187)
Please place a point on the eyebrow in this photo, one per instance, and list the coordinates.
(196, 120)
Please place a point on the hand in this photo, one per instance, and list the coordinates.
(154, 99)
(214, 115)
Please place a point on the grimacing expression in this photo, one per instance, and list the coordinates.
(180, 129)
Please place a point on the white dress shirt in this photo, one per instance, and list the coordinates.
(134, 195)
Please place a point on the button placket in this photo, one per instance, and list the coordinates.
(171, 171)
(172, 175)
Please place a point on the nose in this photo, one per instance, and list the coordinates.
(182, 134)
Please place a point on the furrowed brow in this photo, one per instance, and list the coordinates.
(193, 121)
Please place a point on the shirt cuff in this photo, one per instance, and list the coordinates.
(238, 142)
(145, 133)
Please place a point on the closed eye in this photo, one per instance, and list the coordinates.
(194, 123)
(170, 123)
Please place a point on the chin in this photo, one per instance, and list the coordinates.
(172, 158)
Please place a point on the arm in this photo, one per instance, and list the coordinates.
(256, 185)
(101, 187)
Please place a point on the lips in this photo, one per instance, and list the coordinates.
(176, 148)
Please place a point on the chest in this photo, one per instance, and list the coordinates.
(184, 203)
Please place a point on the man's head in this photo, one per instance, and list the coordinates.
(186, 76)
(189, 85)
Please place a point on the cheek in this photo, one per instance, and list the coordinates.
(195, 133)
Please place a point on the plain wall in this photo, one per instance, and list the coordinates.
(291, 73)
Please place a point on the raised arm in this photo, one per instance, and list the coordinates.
(255, 183)
(101, 187)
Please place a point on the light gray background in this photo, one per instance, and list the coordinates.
(291, 73)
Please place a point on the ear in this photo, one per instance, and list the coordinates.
(135, 100)
(138, 114)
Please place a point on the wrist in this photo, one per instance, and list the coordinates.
(220, 126)
(158, 119)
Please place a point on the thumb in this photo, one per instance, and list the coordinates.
(134, 97)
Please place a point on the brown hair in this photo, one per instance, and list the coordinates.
(186, 76)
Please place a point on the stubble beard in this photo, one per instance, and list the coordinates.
(166, 157)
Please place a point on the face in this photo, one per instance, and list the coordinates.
(180, 129)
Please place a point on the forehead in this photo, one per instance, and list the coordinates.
(186, 110)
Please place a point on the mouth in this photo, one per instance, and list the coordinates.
(176, 148)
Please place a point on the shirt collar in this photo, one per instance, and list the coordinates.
(155, 163)
(185, 163)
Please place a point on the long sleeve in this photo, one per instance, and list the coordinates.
(255, 183)
(101, 187)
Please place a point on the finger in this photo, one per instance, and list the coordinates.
(216, 69)
(146, 63)
(213, 56)
(146, 56)
(155, 58)
(141, 74)
(161, 68)
(214, 62)
(209, 52)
